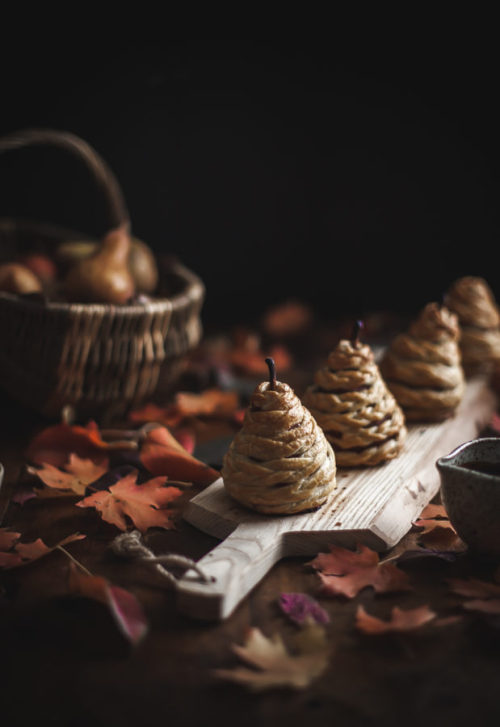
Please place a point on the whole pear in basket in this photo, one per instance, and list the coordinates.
(104, 277)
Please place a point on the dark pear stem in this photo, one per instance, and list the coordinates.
(356, 330)
(272, 373)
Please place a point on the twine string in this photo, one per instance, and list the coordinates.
(131, 547)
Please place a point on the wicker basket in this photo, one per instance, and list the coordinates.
(98, 358)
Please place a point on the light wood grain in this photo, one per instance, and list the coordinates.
(373, 506)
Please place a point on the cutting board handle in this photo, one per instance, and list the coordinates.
(232, 569)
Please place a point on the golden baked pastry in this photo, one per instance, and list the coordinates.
(351, 403)
(479, 319)
(423, 368)
(279, 462)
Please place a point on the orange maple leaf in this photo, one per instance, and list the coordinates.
(345, 572)
(143, 504)
(14, 553)
(437, 532)
(76, 476)
(124, 607)
(400, 620)
(162, 454)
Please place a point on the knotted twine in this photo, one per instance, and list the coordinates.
(131, 547)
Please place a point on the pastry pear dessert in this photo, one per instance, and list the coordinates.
(280, 461)
(423, 368)
(479, 318)
(351, 403)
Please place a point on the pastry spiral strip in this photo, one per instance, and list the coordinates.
(353, 406)
(423, 367)
(479, 318)
(280, 461)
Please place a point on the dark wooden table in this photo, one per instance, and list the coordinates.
(64, 660)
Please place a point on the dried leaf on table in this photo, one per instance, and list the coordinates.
(345, 572)
(273, 665)
(252, 362)
(400, 620)
(76, 476)
(485, 595)
(144, 504)
(302, 609)
(287, 319)
(123, 605)
(53, 445)
(210, 403)
(14, 554)
(162, 454)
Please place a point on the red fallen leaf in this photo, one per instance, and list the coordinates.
(437, 531)
(345, 572)
(433, 512)
(400, 620)
(13, 553)
(77, 475)
(54, 444)
(301, 608)
(143, 504)
(287, 319)
(186, 439)
(162, 454)
(124, 607)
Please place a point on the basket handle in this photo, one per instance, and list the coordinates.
(106, 180)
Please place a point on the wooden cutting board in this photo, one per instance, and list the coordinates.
(373, 506)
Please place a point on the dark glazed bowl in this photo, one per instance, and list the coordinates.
(472, 497)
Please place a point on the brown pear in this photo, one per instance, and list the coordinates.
(17, 278)
(104, 277)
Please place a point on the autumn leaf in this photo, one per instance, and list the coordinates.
(144, 504)
(437, 532)
(14, 554)
(162, 454)
(252, 362)
(273, 665)
(124, 607)
(301, 608)
(400, 620)
(287, 319)
(210, 403)
(345, 572)
(76, 475)
(53, 445)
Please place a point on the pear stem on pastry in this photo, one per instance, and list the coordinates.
(272, 373)
(356, 331)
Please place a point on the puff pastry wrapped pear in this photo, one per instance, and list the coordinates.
(472, 300)
(423, 366)
(355, 409)
(280, 461)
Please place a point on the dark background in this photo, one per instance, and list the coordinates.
(356, 176)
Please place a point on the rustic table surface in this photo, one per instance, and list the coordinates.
(64, 659)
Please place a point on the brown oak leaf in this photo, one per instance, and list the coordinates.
(14, 554)
(345, 572)
(162, 454)
(274, 666)
(76, 475)
(400, 620)
(144, 504)
(124, 607)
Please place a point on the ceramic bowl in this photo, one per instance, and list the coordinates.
(470, 491)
